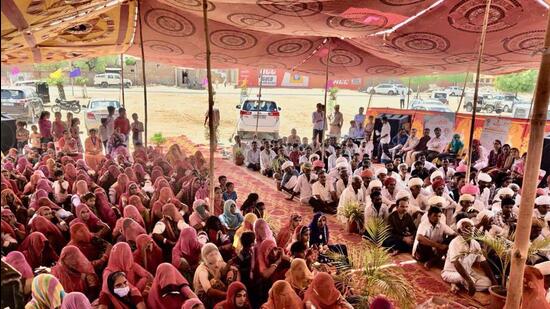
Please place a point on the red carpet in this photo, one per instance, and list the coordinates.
(427, 283)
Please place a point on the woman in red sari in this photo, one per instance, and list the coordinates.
(237, 297)
(19, 230)
(158, 185)
(95, 249)
(51, 231)
(96, 226)
(323, 294)
(133, 189)
(186, 254)
(106, 212)
(76, 273)
(70, 175)
(122, 259)
(169, 289)
(18, 261)
(119, 293)
(9, 199)
(30, 187)
(147, 254)
(167, 230)
(166, 195)
(285, 234)
(37, 250)
(128, 230)
(118, 188)
(136, 201)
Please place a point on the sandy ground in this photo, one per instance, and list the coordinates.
(175, 111)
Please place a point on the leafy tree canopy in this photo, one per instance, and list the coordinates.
(517, 82)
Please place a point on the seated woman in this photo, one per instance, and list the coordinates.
(284, 236)
(454, 150)
(105, 210)
(96, 226)
(53, 233)
(212, 276)
(217, 235)
(169, 289)
(76, 273)
(272, 264)
(128, 230)
(299, 276)
(231, 217)
(47, 292)
(119, 292)
(16, 230)
(37, 251)
(17, 260)
(117, 189)
(323, 294)
(95, 249)
(247, 226)
(122, 259)
(186, 252)
(319, 237)
(167, 231)
(200, 214)
(93, 150)
(281, 295)
(69, 146)
(147, 253)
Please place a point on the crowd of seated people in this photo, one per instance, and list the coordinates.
(93, 224)
(418, 186)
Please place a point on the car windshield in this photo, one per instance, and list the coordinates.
(440, 95)
(262, 106)
(12, 94)
(104, 104)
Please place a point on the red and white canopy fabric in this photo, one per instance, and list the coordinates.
(367, 37)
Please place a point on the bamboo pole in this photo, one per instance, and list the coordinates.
(530, 178)
(122, 79)
(408, 93)
(259, 101)
(476, 91)
(368, 104)
(463, 91)
(210, 102)
(143, 70)
(325, 105)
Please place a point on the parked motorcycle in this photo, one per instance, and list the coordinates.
(69, 105)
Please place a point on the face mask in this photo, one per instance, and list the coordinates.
(121, 292)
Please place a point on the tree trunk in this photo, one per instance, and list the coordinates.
(61, 91)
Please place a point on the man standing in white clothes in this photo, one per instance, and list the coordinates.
(385, 138)
(336, 122)
(318, 120)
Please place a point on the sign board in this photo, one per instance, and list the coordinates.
(494, 128)
(295, 80)
(444, 121)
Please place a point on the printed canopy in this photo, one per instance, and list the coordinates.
(367, 37)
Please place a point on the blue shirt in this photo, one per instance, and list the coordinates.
(400, 139)
(230, 196)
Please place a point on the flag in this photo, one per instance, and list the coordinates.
(205, 82)
(75, 73)
(56, 74)
(15, 71)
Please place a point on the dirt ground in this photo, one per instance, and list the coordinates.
(174, 111)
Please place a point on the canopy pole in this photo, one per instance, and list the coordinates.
(463, 91)
(143, 69)
(210, 101)
(325, 104)
(530, 177)
(122, 79)
(408, 92)
(476, 91)
(259, 100)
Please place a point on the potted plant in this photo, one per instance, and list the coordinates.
(158, 140)
(498, 252)
(239, 157)
(369, 270)
(353, 213)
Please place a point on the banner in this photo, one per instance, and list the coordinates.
(295, 80)
(494, 129)
(444, 121)
(269, 78)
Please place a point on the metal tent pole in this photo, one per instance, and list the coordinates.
(530, 177)
(476, 91)
(143, 69)
(210, 102)
(325, 104)
(122, 79)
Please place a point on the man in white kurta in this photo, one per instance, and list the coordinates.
(352, 194)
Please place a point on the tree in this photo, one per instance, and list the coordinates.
(130, 61)
(58, 81)
(517, 82)
(98, 64)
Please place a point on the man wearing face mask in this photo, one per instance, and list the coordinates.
(462, 254)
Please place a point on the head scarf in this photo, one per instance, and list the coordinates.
(299, 276)
(34, 247)
(285, 234)
(70, 171)
(322, 293)
(131, 174)
(456, 144)
(232, 220)
(70, 269)
(191, 303)
(318, 235)
(147, 259)
(92, 221)
(263, 253)
(44, 184)
(232, 290)
(247, 226)
(130, 211)
(140, 172)
(470, 189)
(122, 259)
(130, 229)
(47, 292)
(81, 164)
(171, 211)
(81, 187)
(438, 183)
(104, 209)
(8, 193)
(136, 201)
(262, 231)
(165, 275)
(188, 247)
(18, 261)
(115, 300)
(52, 232)
(282, 296)
(207, 249)
(203, 213)
(22, 164)
(75, 300)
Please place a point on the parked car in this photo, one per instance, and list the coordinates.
(390, 89)
(41, 88)
(454, 91)
(110, 79)
(481, 102)
(264, 113)
(97, 109)
(505, 102)
(524, 109)
(441, 96)
(430, 105)
(21, 103)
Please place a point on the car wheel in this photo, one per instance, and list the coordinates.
(104, 85)
(127, 85)
(507, 109)
(490, 109)
(76, 108)
(452, 94)
(391, 92)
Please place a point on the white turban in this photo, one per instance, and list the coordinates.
(375, 184)
(436, 174)
(381, 171)
(436, 200)
(286, 165)
(466, 197)
(402, 194)
(415, 182)
(542, 200)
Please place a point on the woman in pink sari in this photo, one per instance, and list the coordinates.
(166, 195)
(18, 261)
(147, 254)
(169, 289)
(51, 231)
(122, 259)
(93, 150)
(106, 212)
(186, 253)
(118, 188)
(96, 250)
(76, 273)
(86, 216)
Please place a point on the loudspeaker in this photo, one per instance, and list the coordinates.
(545, 162)
(8, 133)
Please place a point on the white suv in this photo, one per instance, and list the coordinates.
(110, 79)
(454, 90)
(97, 109)
(390, 89)
(263, 114)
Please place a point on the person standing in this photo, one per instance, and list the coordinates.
(137, 130)
(110, 122)
(318, 120)
(385, 138)
(402, 100)
(123, 123)
(336, 122)
(360, 117)
(216, 120)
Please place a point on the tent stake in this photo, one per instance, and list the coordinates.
(122, 79)
(143, 69)
(408, 92)
(325, 105)
(210, 102)
(530, 177)
(462, 94)
(476, 91)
